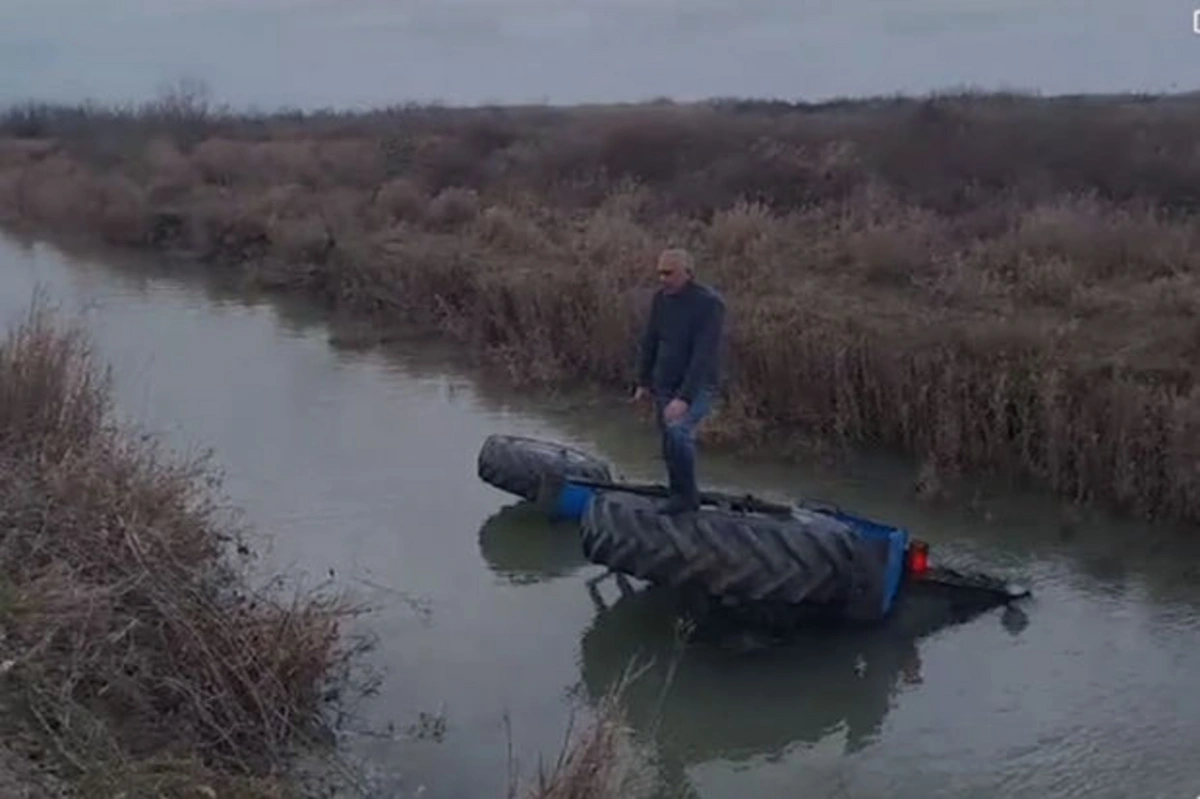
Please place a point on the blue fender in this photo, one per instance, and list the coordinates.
(897, 540)
(571, 503)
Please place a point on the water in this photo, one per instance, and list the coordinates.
(352, 52)
(363, 463)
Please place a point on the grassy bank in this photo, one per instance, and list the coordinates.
(135, 658)
(992, 284)
(134, 654)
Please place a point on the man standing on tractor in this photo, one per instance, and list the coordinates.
(678, 366)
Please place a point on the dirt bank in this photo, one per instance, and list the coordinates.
(992, 284)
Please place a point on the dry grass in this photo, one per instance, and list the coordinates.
(130, 642)
(595, 763)
(589, 765)
(130, 646)
(988, 283)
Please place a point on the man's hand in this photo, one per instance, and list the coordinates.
(674, 411)
(640, 394)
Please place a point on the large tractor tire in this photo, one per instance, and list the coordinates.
(518, 465)
(738, 557)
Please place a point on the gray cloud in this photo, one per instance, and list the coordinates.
(349, 52)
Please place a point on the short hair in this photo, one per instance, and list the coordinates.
(680, 256)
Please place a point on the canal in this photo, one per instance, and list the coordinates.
(358, 466)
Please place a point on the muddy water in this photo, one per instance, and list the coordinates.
(361, 465)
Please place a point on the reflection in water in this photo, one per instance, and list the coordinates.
(520, 544)
(712, 689)
(1014, 620)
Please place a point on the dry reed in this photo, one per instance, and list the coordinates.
(130, 640)
(595, 763)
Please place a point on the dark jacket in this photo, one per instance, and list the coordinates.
(680, 348)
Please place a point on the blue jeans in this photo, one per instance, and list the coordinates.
(679, 444)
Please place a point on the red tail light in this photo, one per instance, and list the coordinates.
(918, 558)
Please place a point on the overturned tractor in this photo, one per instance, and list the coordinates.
(772, 562)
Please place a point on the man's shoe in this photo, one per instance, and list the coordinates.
(678, 504)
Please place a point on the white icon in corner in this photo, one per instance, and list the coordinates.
(1196, 30)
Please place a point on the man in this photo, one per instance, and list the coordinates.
(678, 367)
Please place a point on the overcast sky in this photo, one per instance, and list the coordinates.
(354, 52)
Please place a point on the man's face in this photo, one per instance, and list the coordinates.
(671, 275)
